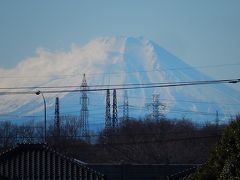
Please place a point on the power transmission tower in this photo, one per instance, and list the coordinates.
(157, 106)
(114, 112)
(57, 119)
(108, 122)
(125, 107)
(84, 108)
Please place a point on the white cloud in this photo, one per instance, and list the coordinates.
(98, 59)
(58, 68)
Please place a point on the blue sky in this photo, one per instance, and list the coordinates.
(202, 33)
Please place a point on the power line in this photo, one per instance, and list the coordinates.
(129, 86)
(162, 99)
(74, 113)
(121, 72)
(173, 110)
(114, 86)
(186, 111)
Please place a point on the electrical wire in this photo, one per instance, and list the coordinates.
(125, 86)
(122, 72)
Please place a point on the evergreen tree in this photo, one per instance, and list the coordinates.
(224, 162)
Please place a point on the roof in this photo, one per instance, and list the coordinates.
(27, 159)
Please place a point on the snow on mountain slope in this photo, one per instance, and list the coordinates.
(108, 61)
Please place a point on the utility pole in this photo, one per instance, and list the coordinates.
(108, 122)
(114, 112)
(45, 116)
(84, 108)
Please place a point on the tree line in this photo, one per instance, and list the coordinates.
(142, 141)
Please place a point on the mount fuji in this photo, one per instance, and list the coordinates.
(111, 61)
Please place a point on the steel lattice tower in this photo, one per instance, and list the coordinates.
(156, 114)
(125, 107)
(57, 119)
(84, 108)
(108, 122)
(114, 112)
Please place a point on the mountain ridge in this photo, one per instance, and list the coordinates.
(117, 60)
